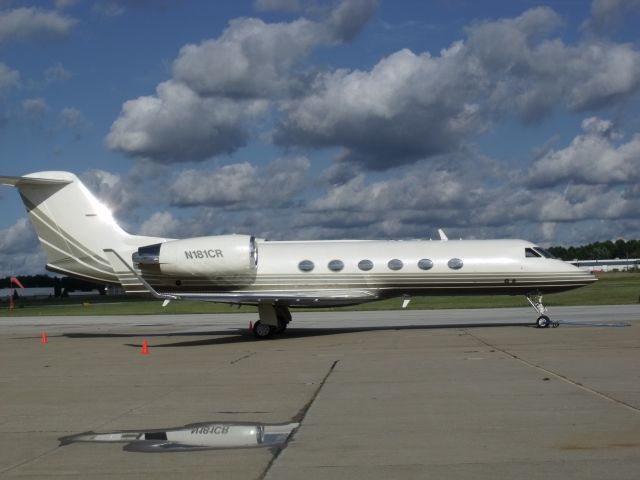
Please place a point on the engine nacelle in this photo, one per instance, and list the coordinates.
(228, 259)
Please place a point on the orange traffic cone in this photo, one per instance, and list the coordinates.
(43, 338)
(250, 325)
(145, 348)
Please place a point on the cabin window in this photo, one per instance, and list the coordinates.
(531, 253)
(395, 264)
(365, 265)
(336, 265)
(306, 265)
(455, 264)
(425, 264)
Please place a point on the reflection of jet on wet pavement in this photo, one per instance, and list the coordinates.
(197, 436)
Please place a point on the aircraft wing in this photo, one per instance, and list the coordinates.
(133, 282)
(289, 297)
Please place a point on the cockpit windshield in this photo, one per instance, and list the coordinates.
(531, 253)
(537, 252)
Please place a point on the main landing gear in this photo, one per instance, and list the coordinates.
(273, 321)
(543, 321)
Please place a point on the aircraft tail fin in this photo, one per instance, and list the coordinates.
(73, 226)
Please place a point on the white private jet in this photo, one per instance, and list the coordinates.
(81, 239)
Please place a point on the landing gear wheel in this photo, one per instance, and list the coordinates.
(543, 321)
(555, 324)
(262, 331)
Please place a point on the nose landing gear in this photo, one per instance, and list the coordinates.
(543, 321)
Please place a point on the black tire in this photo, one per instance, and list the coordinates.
(262, 331)
(282, 326)
(283, 313)
(284, 317)
(543, 321)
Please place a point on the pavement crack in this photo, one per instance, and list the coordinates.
(233, 362)
(559, 376)
(299, 418)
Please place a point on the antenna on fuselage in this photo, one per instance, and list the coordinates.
(443, 236)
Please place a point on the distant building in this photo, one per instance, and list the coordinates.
(607, 265)
(45, 292)
(42, 292)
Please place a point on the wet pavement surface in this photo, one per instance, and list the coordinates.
(455, 394)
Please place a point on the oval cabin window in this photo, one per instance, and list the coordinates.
(425, 264)
(395, 264)
(455, 264)
(365, 265)
(306, 265)
(336, 265)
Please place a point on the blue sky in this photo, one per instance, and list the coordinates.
(335, 119)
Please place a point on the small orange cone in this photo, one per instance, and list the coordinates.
(145, 348)
(250, 325)
(44, 338)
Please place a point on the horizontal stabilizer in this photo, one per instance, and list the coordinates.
(19, 181)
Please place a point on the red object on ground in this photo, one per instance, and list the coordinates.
(145, 348)
(44, 338)
(17, 282)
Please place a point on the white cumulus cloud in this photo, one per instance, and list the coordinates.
(591, 158)
(27, 23)
(411, 106)
(8, 77)
(176, 125)
(221, 84)
(163, 224)
(251, 58)
(242, 185)
(277, 5)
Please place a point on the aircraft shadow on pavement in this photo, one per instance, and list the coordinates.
(243, 335)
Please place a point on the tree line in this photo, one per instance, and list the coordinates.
(61, 285)
(599, 250)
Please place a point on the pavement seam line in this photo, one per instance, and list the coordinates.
(155, 399)
(559, 376)
(26, 462)
(299, 417)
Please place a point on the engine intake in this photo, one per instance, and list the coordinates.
(149, 255)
